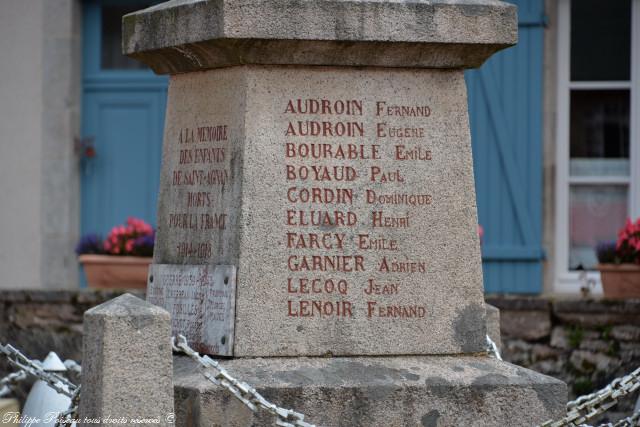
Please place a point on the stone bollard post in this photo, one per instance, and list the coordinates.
(127, 367)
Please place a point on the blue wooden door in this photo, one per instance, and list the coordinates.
(123, 106)
(505, 107)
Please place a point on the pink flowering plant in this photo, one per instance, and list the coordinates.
(135, 238)
(626, 249)
(628, 244)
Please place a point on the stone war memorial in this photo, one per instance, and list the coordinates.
(317, 227)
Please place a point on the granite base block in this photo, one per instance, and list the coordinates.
(425, 391)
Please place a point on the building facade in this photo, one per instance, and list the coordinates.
(555, 130)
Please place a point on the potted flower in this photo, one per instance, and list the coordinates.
(121, 260)
(619, 263)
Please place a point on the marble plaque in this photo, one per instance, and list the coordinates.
(201, 300)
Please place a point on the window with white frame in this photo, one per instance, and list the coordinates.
(598, 130)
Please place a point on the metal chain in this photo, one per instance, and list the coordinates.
(34, 368)
(243, 391)
(492, 348)
(73, 366)
(588, 406)
(55, 381)
(631, 421)
(578, 411)
(9, 380)
(68, 417)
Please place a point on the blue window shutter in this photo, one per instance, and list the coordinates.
(505, 108)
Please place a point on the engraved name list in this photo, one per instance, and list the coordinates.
(347, 199)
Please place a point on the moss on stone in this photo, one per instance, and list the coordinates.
(575, 335)
(582, 385)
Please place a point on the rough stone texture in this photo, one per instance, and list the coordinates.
(526, 324)
(180, 36)
(127, 362)
(270, 319)
(591, 343)
(595, 345)
(587, 362)
(549, 355)
(544, 352)
(626, 333)
(40, 321)
(409, 391)
(493, 324)
(197, 100)
(592, 313)
(559, 338)
(519, 303)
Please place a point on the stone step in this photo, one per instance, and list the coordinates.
(374, 391)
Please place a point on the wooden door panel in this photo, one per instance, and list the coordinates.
(122, 179)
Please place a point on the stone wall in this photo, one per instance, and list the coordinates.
(585, 343)
(37, 322)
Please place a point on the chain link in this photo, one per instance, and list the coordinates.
(243, 391)
(492, 348)
(73, 366)
(11, 379)
(588, 406)
(55, 381)
(66, 418)
(631, 421)
(578, 411)
(34, 368)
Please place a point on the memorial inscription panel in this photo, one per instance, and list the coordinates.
(199, 187)
(201, 300)
(355, 183)
(193, 275)
(345, 199)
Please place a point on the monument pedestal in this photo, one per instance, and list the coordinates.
(425, 391)
(317, 199)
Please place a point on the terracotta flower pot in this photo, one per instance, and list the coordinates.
(115, 272)
(620, 280)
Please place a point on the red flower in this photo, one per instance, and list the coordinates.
(122, 240)
(628, 243)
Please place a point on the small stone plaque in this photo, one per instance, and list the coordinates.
(201, 300)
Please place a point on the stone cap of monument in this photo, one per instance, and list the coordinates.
(189, 35)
